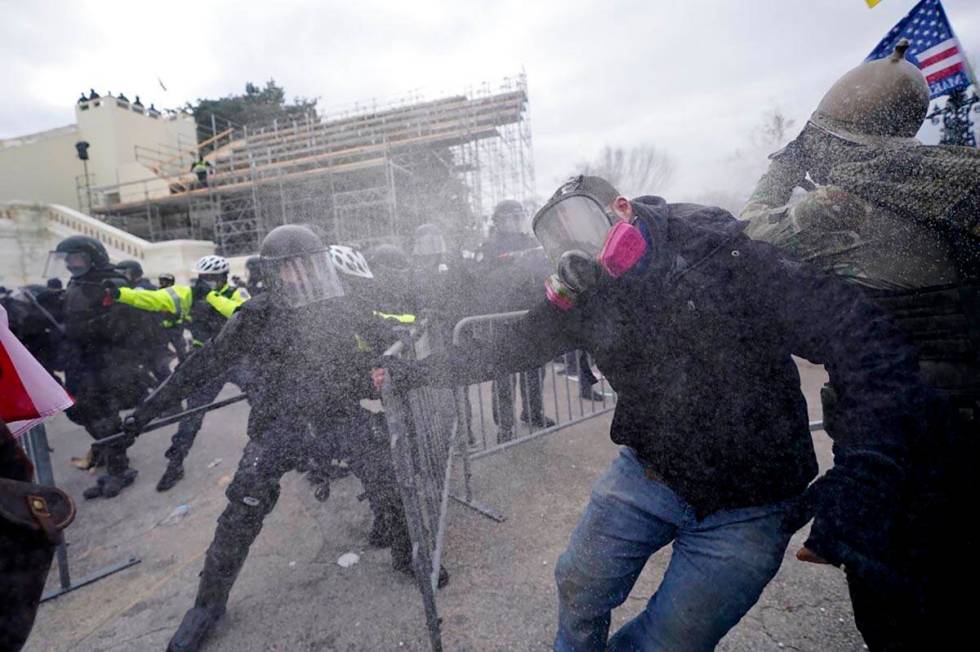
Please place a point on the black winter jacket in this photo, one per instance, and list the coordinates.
(698, 347)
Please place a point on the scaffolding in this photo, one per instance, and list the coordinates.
(367, 175)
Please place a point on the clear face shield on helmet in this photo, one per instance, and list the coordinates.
(303, 279)
(78, 263)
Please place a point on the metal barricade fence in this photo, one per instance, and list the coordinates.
(35, 444)
(558, 395)
(423, 427)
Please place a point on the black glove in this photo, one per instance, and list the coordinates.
(131, 426)
(856, 507)
(136, 422)
(403, 374)
(200, 290)
(111, 289)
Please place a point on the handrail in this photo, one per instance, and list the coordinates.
(196, 148)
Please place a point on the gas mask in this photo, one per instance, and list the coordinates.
(585, 243)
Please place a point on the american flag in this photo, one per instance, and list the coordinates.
(934, 47)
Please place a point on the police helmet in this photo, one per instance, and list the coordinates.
(297, 264)
(509, 216)
(79, 254)
(428, 241)
(388, 256)
(131, 269)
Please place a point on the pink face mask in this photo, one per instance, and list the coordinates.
(624, 247)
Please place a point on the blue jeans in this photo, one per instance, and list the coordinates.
(717, 570)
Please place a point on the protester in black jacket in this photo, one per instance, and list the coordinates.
(695, 334)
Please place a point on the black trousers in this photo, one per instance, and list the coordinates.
(532, 404)
(282, 446)
(930, 610)
(183, 439)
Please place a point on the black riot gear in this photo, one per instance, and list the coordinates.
(101, 370)
(308, 369)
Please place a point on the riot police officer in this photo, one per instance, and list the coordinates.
(133, 270)
(308, 375)
(99, 372)
(204, 307)
(154, 344)
(253, 282)
(503, 255)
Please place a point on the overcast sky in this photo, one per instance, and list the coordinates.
(692, 77)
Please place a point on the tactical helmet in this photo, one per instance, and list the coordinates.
(297, 264)
(878, 100)
(428, 241)
(389, 256)
(131, 268)
(252, 264)
(86, 245)
(166, 279)
(508, 208)
(79, 254)
(211, 265)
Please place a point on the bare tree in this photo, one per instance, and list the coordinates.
(774, 129)
(639, 170)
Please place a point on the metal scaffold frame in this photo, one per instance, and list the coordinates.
(369, 174)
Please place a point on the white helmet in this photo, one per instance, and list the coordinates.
(349, 261)
(211, 265)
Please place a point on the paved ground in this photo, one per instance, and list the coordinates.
(293, 596)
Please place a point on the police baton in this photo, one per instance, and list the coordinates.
(166, 421)
(47, 315)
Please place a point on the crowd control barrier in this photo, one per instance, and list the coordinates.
(561, 393)
(423, 427)
(35, 443)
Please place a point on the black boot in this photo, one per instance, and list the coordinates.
(194, 629)
(114, 484)
(96, 491)
(170, 477)
(110, 486)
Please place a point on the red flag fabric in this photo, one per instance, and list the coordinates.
(28, 393)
